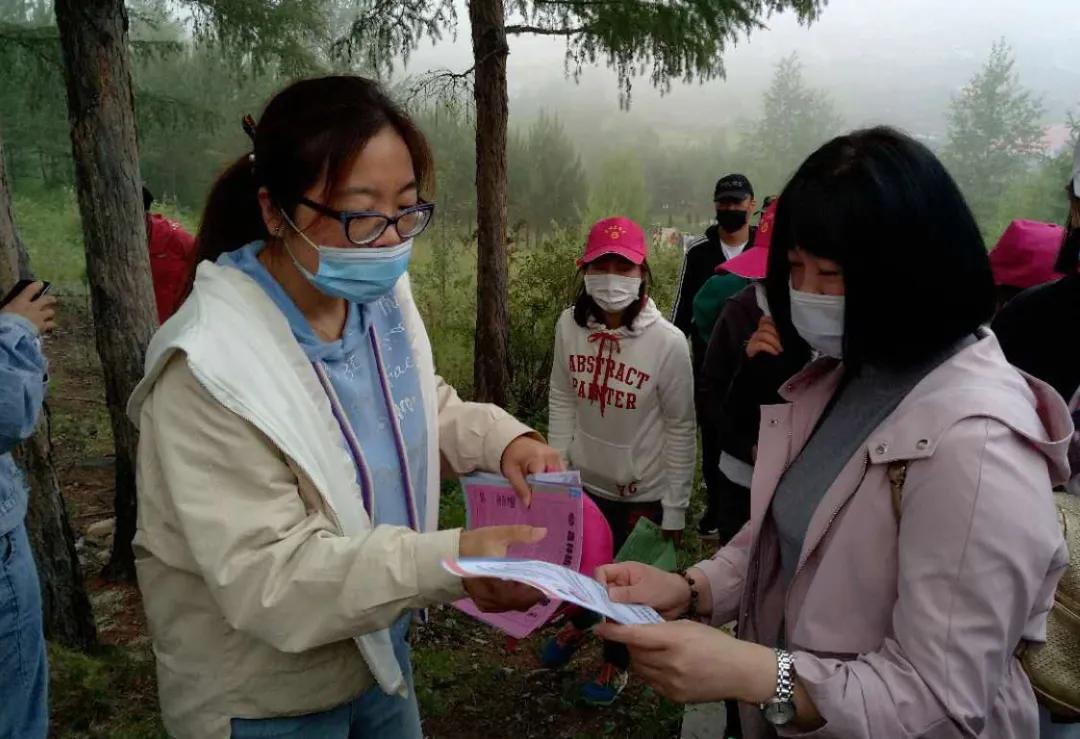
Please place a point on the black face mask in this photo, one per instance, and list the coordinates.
(731, 220)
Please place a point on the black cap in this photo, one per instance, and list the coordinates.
(733, 187)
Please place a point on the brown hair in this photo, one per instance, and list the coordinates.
(312, 128)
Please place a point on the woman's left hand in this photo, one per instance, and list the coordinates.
(526, 456)
(691, 662)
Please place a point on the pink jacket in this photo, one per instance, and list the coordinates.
(910, 629)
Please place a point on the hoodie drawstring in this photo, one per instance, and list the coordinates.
(612, 342)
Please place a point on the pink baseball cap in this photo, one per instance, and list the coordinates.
(617, 235)
(754, 262)
(1025, 254)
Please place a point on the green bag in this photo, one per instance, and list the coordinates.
(647, 544)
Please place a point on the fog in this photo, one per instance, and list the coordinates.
(881, 61)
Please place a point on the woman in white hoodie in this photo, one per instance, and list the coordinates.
(622, 412)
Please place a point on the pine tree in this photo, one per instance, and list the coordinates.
(994, 133)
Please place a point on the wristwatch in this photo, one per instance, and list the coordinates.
(780, 709)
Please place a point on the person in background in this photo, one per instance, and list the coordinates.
(23, 379)
(292, 428)
(1024, 257)
(903, 542)
(713, 295)
(733, 199)
(622, 412)
(1033, 327)
(729, 497)
(172, 257)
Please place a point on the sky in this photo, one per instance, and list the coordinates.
(882, 61)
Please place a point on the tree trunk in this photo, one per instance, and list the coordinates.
(491, 364)
(68, 617)
(93, 36)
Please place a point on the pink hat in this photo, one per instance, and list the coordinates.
(615, 236)
(1024, 255)
(753, 263)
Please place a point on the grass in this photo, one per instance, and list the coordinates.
(473, 681)
(49, 223)
(107, 693)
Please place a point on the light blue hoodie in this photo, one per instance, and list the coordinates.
(361, 381)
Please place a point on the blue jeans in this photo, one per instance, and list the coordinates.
(1050, 730)
(371, 714)
(24, 672)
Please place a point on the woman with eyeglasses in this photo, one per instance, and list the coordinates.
(292, 435)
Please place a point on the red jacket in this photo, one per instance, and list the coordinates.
(172, 252)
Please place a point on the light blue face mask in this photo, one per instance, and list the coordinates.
(362, 274)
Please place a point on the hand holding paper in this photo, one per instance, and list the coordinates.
(557, 582)
(489, 594)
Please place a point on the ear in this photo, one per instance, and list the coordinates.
(753, 205)
(270, 214)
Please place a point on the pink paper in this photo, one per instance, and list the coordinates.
(490, 501)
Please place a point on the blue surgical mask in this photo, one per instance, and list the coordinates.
(361, 274)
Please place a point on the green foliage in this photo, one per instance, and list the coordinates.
(554, 180)
(676, 40)
(453, 142)
(108, 693)
(443, 274)
(286, 36)
(681, 177)
(618, 190)
(796, 120)
(543, 281)
(1038, 194)
(994, 133)
(48, 221)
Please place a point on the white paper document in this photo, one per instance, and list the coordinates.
(555, 581)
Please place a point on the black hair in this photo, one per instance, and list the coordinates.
(585, 307)
(147, 197)
(1068, 258)
(916, 273)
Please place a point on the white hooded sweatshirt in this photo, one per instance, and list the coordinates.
(621, 410)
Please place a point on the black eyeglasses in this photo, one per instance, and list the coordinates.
(362, 227)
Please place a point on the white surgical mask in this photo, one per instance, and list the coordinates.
(819, 319)
(613, 293)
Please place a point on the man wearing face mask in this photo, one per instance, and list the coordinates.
(733, 198)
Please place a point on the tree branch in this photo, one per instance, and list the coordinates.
(579, 3)
(541, 31)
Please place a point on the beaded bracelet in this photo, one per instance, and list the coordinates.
(692, 608)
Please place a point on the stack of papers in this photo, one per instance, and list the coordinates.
(556, 506)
